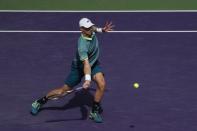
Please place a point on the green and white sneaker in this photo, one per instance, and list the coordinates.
(100, 110)
(35, 107)
(96, 117)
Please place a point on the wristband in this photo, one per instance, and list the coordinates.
(99, 29)
(87, 77)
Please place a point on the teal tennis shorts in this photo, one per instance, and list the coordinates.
(76, 73)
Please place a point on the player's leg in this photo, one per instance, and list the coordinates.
(72, 80)
(101, 84)
(96, 107)
(56, 93)
(98, 77)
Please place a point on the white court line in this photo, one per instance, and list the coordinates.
(93, 11)
(162, 31)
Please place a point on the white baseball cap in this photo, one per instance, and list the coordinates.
(85, 22)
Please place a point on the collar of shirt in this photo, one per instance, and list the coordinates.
(87, 38)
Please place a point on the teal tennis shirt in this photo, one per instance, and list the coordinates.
(88, 48)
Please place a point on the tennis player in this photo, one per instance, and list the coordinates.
(85, 64)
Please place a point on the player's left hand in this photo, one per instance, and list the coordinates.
(108, 27)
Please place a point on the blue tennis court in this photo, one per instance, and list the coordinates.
(163, 63)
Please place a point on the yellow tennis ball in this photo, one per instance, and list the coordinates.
(136, 85)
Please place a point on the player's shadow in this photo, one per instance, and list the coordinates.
(82, 99)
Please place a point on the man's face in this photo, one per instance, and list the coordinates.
(87, 31)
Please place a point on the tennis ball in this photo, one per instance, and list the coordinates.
(136, 85)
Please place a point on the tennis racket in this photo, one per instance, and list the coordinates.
(67, 93)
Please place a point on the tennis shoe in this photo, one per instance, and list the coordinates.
(96, 117)
(35, 107)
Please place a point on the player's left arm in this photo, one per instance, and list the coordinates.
(108, 27)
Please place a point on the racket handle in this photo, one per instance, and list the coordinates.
(79, 88)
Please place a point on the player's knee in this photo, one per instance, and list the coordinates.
(60, 92)
(66, 88)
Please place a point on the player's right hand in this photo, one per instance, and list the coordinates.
(86, 84)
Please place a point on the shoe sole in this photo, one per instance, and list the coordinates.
(92, 118)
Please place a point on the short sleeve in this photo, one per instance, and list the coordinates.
(82, 50)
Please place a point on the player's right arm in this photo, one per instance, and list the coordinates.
(87, 72)
(83, 54)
